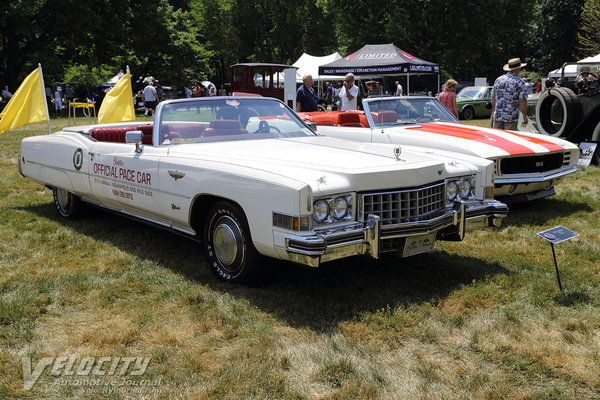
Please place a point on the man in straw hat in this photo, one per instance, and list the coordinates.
(510, 95)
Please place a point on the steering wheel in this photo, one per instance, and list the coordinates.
(264, 127)
(171, 135)
(586, 73)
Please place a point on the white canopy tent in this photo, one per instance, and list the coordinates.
(308, 64)
(572, 70)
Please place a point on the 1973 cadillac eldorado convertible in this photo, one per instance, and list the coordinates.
(247, 177)
(527, 166)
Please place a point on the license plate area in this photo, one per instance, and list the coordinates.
(418, 244)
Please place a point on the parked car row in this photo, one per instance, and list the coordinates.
(248, 178)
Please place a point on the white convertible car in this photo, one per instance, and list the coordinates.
(527, 166)
(246, 176)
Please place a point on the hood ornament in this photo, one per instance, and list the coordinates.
(397, 152)
(322, 180)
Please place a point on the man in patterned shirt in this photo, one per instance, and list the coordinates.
(510, 94)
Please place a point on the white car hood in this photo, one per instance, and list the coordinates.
(326, 164)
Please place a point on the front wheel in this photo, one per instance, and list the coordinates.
(231, 254)
(67, 204)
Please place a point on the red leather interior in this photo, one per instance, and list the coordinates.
(117, 133)
(219, 127)
(349, 119)
(387, 116)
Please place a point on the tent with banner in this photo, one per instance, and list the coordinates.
(381, 60)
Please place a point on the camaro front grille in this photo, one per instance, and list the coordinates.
(528, 164)
(405, 205)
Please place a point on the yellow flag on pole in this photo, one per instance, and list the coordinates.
(27, 105)
(117, 105)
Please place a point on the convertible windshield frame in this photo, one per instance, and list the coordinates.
(225, 118)
(405, 110)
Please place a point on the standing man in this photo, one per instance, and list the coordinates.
(349, 93)
(306, 100)
(328, 93)
(150, 98)
(510, 95)
(69, 93)
(399, 89)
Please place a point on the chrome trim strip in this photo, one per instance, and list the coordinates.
(502, 180)
(139, 217)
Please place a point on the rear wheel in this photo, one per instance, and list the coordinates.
(468, 113)
(231, 254)
(67, 204)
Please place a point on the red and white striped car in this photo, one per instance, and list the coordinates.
(527, 165)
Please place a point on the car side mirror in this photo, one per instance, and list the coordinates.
(312, 126)
(134, 137)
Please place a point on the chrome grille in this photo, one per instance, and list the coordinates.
(405, 205)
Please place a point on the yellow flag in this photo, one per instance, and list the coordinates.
(117, 105)
(27, 105)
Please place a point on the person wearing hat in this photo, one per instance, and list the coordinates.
(510, 95)
(58, 100)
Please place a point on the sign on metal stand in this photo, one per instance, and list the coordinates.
(555, 235)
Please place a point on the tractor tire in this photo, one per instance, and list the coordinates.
(558, 112)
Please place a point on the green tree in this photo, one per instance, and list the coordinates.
(554, 37)
(588, 37)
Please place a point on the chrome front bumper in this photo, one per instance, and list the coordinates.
(526, 188)
(365, 238)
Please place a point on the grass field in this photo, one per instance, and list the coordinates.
(480, 319)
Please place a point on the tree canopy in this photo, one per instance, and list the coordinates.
(180, 41)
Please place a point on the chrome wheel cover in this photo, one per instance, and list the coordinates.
(228, 243)
(62, 196)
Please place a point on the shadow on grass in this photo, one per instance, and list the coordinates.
(540, 211)
(301, 296)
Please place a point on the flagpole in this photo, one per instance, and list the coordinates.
(44, 97)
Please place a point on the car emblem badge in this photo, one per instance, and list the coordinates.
(322, 180)
(539, 164)
(78, 159)
(397, 152)
(176, 174)
(439, 171)
(232, 103)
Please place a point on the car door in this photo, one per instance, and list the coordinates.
(125, 179)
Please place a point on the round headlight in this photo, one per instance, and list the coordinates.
(464, 188)
(451, 190)
(320, 211)
(339, 207)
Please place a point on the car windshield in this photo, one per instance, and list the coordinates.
(472, 92)
(406, 110)
(226, 119)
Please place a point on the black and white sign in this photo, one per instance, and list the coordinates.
(558, 234)
(587, 151)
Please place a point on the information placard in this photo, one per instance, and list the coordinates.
(558, 234)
